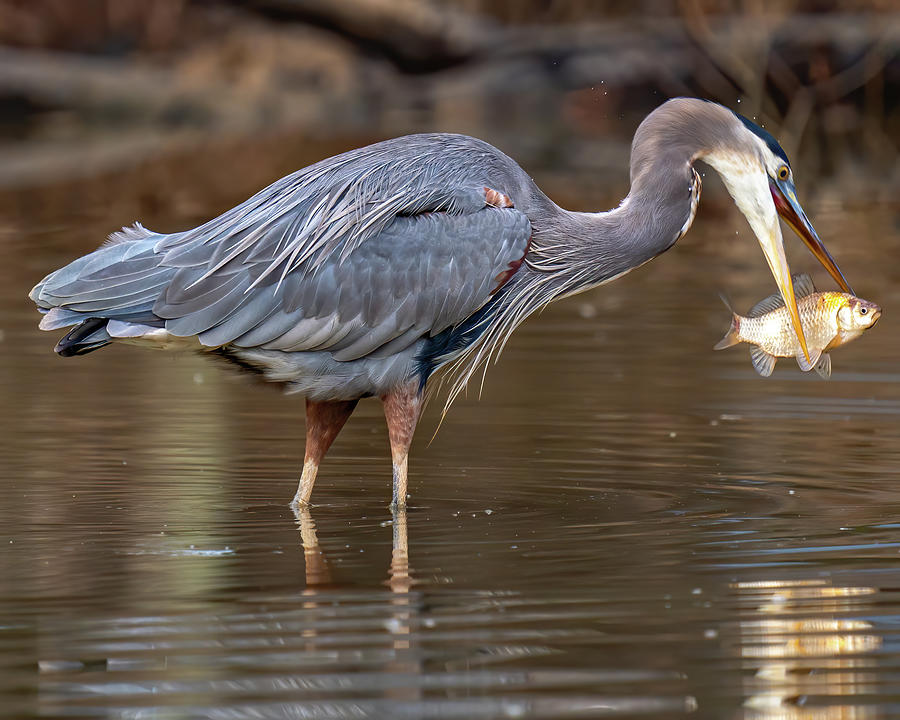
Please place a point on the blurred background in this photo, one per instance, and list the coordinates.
(196, 103)
(625, 523)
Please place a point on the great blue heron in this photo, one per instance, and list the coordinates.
(365, 273)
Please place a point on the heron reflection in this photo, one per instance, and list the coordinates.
(405, 660)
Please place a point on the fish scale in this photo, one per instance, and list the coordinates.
(775, 334)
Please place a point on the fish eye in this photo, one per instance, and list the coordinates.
(783, 172)
(864, 311)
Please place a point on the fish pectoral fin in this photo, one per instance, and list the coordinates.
(823, 367)
(814, 356)
(763, 362)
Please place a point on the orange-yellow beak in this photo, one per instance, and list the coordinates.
(789, 209)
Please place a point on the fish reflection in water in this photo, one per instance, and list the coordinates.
(797, 653)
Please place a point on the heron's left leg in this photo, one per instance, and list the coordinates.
(402, 407)
(324, 421)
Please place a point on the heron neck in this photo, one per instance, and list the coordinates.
(583, 250)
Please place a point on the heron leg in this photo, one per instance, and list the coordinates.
(324, 421)
(402, 407)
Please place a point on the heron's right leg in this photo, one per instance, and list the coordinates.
(324, 421)
(402, 407)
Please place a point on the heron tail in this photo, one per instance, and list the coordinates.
(733, 336)
(88, 336)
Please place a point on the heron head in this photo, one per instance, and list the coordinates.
(758, 175)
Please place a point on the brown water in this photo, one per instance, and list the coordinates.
(626, 524)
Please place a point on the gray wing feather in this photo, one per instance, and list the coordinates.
(120, 280)
(193, 318)
(332, 206)
(426, 272)
(274, 325)
(362, 252)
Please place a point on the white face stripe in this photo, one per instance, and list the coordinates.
(748, 184)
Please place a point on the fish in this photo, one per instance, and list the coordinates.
(829, 320)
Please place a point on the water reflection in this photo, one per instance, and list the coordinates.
(587, 537)
(406, 661)
(807, 664)
(314, 561)
(342, 652)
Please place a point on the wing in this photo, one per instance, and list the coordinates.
(120, 280)
(378, 245)
(415, 277)
(334, 206)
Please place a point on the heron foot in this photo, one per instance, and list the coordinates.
(298, 504)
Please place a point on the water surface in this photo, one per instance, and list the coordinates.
(626, 524)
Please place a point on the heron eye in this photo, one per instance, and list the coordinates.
(782, 172)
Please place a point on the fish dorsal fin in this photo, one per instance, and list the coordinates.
(814, 356)
(763, 362)
(823, 367)
(803, 285)
(773, 302)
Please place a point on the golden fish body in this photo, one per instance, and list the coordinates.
(774, 333)
(829, 319)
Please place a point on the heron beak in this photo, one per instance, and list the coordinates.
(788, 207)
(773, 249)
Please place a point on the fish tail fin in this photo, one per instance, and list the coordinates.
(732, 337)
